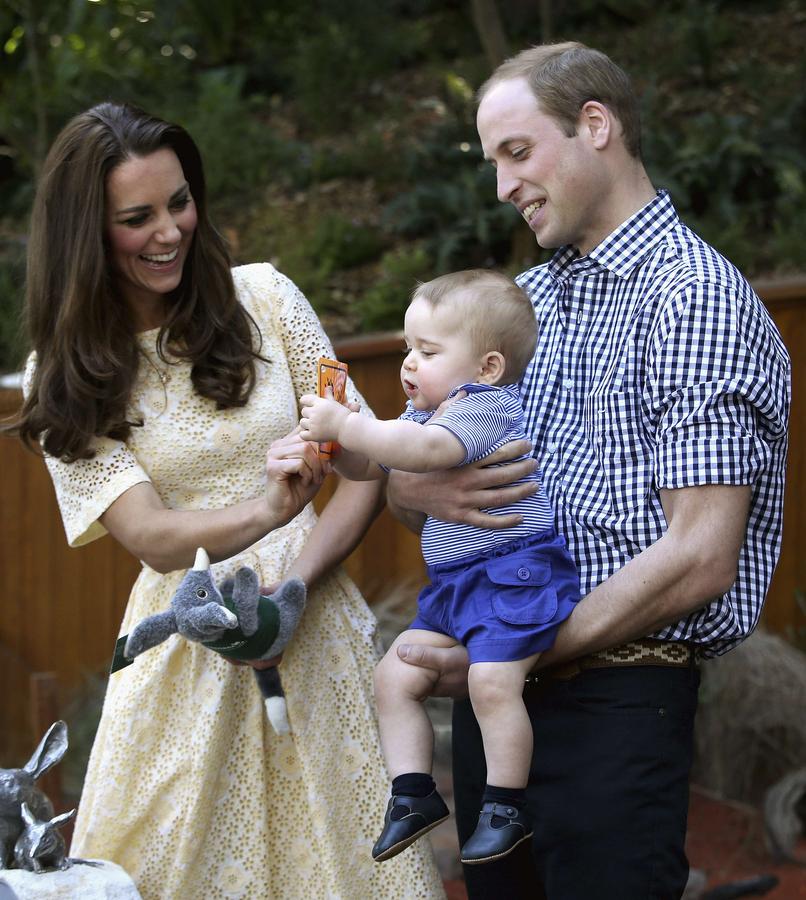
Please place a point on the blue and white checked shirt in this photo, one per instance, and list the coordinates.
(657, 366)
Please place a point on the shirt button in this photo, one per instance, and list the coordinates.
(552, 448)
(523, 573)
(568, 383)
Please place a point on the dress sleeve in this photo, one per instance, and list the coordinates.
(300, 330)
(719, 385)
(85, 489)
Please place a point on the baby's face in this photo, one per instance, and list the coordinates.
(440, 354)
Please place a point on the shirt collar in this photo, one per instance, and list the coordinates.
(622, 250)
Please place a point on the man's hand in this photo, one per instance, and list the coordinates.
(322, 417)
(459, 495)
(449, 663)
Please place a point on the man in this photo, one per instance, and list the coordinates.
(658, 402)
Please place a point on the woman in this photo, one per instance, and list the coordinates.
(159, 377)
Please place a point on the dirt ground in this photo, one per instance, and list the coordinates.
(725, 843)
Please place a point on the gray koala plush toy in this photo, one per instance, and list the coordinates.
(235, 620)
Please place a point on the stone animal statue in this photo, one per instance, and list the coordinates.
(235, 620)
(41, 847)
(17, 787)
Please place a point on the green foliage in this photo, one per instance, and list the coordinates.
(337, 53)
(220, 113)
(451, 202)
(74, 54)
(738, 177)
(381, 308)
(356, 159)
(323, 248)
(12, 280)
(337, 243)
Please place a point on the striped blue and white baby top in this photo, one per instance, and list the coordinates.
(483, 421)
(657, 366)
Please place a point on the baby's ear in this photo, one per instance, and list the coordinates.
(493, 366)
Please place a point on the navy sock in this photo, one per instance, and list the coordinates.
(506, 797)
(410, 784)
(413, 784)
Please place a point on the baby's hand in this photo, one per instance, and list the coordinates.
(322, 417)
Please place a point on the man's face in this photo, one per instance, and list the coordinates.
(553, 180)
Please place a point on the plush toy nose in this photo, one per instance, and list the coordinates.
(202, 562)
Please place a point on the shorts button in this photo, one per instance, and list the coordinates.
(523, 573)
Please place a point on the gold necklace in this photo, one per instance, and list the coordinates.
(163, 374)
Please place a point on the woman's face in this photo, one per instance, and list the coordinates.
(150, 220)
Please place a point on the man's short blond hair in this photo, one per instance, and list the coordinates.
(564, 77)
(494, 311)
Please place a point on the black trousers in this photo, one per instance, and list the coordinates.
(608, 788)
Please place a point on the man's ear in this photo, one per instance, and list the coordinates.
(493, 366)
(596, 122)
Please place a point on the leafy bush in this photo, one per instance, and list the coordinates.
(451, 202)
(738, 178)
(12, 280)
(338, 54)
(381, 308)
(340, 244)
(239, 148)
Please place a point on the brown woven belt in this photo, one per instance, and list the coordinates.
(645, 652)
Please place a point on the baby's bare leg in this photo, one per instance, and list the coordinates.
(496, 692)
(407, 737)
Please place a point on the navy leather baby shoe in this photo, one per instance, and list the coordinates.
(494, 838)
(417, 815)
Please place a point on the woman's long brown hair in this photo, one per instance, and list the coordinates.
(82, 332)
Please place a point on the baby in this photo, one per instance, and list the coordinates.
(501, 593)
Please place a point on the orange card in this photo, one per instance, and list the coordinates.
(331, 374)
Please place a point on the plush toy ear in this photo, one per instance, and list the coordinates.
(202, 561)
(245, 597)
(289, 599)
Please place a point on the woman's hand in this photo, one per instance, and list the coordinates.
(266, 590)
(459, 495)
(294, 473)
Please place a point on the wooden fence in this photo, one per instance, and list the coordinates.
(61, 608)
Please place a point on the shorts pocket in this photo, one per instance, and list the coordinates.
(522, 593)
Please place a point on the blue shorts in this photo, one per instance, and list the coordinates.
(505, 603)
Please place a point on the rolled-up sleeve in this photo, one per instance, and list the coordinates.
(719, 405)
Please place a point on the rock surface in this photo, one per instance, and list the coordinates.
(107, 881)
